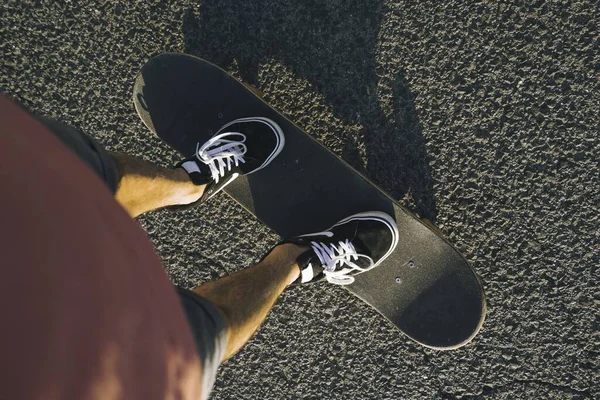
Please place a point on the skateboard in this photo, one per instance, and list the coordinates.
(425, 288)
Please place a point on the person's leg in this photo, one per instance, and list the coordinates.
(352, 246)
(224, 314)
(143, 186)
(244, 298)
(138, 185)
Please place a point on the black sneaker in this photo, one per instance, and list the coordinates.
(354, 245)
(240, 147)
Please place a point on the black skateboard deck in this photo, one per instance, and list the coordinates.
(426, 288)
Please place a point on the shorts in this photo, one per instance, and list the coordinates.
(204, 319)
(87, 149)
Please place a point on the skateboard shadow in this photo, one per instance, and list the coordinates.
(333, 46)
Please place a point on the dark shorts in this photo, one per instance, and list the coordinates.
(204, 319)
(88, 149)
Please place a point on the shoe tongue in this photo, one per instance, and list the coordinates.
(359, 247)
(308, 257)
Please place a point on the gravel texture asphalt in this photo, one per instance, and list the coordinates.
(481, 115)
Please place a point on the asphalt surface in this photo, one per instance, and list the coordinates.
(483, 116)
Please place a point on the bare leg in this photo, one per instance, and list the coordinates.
(144, 186)
(244, 298)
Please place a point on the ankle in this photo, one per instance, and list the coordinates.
(188, 191)
(286, 254)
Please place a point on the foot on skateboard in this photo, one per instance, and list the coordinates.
(354, 245)
(241, 147)
(425, 287)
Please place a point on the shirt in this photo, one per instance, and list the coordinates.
(87, 309)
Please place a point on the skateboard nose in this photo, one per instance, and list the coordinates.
(447, 315)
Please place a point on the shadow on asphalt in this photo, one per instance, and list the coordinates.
(333, 46)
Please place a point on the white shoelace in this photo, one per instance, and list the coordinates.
(221, 152)
(342, 255)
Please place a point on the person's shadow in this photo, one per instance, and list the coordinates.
(332, 45)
